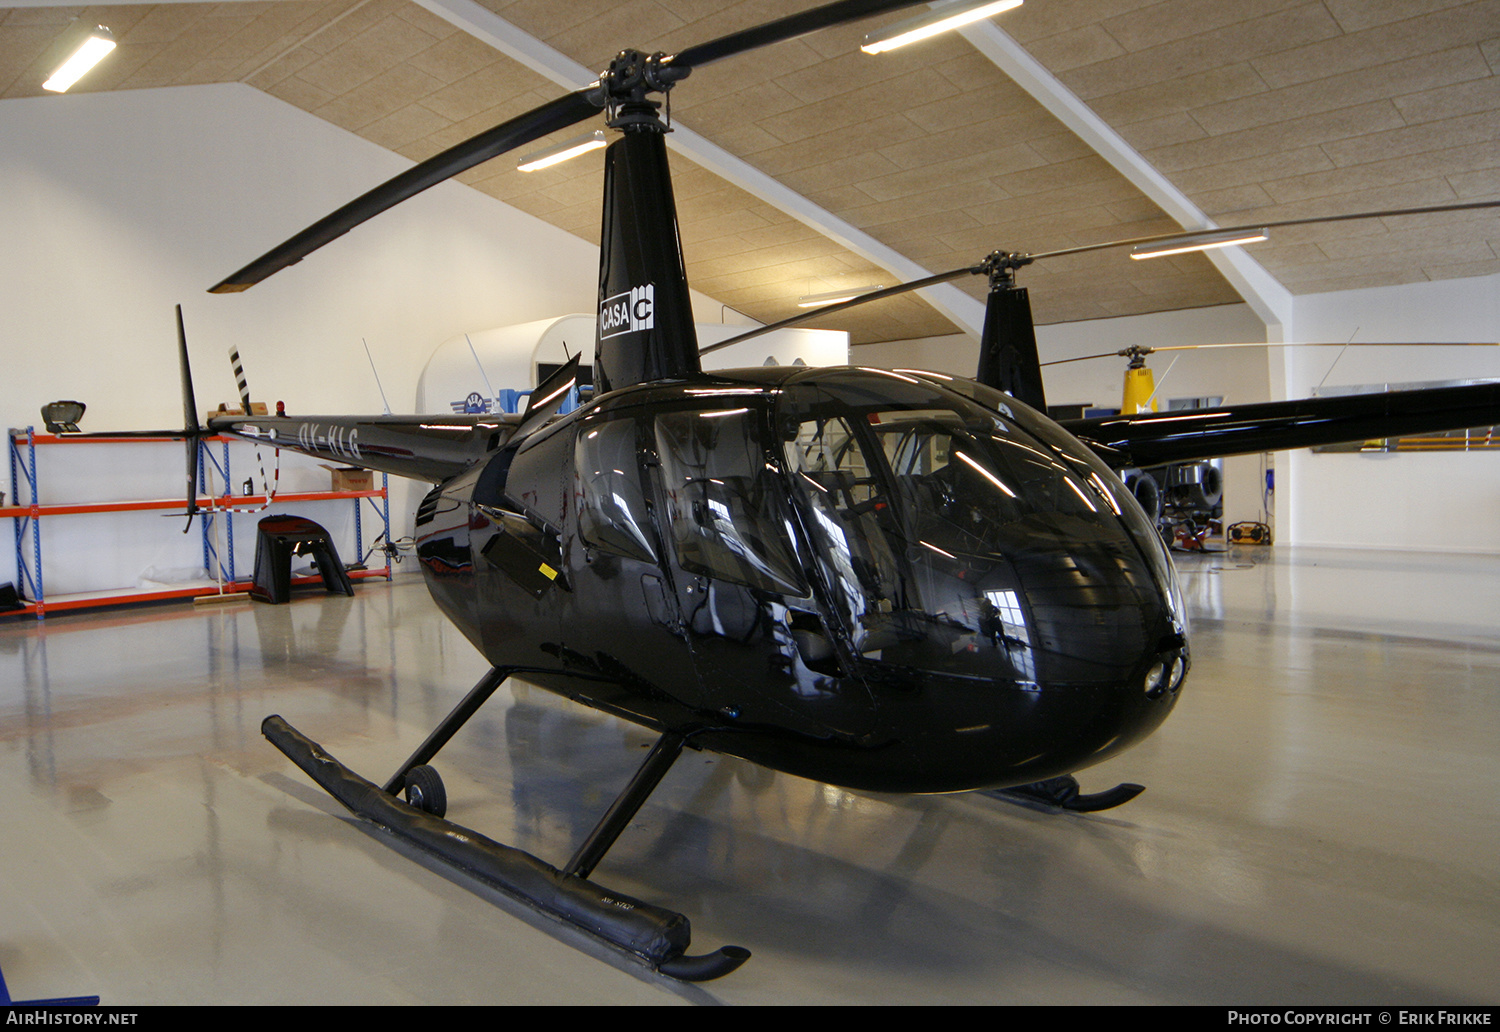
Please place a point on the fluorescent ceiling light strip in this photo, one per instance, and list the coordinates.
(833, 297)
(562, 151)
(90, 53)
(941, 19)
(1200, 242)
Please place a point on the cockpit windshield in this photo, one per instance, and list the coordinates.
(949, 536)
(931, 529)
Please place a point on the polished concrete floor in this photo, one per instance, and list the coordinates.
(1321, 824)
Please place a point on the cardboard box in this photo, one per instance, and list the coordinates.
(257, 408)
(351, 478)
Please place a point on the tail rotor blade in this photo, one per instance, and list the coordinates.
(191, 428)
(239, 378)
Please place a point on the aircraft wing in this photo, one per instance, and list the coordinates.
(1157, 438)
(431, 448)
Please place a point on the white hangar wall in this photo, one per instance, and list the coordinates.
(1437, 501)
(116, 206)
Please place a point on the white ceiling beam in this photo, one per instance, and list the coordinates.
(1271, 301)
(484, 25)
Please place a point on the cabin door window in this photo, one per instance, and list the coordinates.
(729, 520)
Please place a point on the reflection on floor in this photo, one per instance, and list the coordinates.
(1321, 821)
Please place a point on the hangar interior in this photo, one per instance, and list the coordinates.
(1322, 810)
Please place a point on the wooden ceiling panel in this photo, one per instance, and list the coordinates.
(1451, 25)
(1241, 41)
(1257, 110)
(1204, 22)
(1397, 105)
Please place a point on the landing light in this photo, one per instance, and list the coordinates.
(1164, 675)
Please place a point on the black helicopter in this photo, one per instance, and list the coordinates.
(889, 580)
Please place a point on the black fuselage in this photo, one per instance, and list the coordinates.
(874, 579)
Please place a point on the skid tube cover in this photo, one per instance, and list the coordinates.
(658, 936)
(1062, 793)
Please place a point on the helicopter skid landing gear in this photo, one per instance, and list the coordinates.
(1061, 793)
(652, 934)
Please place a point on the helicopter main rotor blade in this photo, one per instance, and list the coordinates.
(1127, 352)
(862, 299)
(1021, 259)
(1188, 234)
(783, 29)
(550, 117)
(523, 129)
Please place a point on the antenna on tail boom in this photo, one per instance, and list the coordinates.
(380, 386)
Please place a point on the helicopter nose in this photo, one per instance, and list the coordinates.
(1050, 730)
(1122, 715)
(963, 733)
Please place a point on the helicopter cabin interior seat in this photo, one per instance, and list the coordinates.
(733, 533)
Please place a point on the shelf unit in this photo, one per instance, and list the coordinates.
(22, 445)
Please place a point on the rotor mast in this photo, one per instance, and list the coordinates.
(645, 325)
(1008, 357)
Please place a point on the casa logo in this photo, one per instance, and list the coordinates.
(630, 312)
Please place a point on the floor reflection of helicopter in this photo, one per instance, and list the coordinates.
(881, 579)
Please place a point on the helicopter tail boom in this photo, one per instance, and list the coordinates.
(430, 448)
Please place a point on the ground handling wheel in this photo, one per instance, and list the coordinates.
(425, 791)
